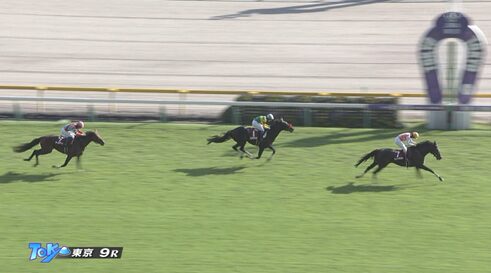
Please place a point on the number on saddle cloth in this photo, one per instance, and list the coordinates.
(60, 140)
(399, 155)
(253, 133)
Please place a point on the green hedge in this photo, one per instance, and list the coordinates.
(321, 117)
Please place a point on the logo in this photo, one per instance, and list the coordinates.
(456, 26)
(53, 250)
(47, 253)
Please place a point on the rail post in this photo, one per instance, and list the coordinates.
(162, 113)
(235, 115)
(17, 110)
(91, 115)
(40, 103)
(112, 107)
(366, 118)
(182, 97)
(307, 116)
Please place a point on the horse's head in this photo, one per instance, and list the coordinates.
(94, 136)
(432, 148)
(282, 124)
(435, 151)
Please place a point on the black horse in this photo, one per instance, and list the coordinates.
(241, 136)
(383, 157)
(48, 143)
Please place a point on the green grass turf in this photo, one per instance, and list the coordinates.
(179, 205)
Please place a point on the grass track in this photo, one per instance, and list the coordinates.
(178, 205)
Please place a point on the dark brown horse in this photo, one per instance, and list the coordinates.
(383, 157)
(48, 143)
(241, 137)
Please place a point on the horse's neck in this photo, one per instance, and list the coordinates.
(424, 150)
(84, 141)
(273, 133)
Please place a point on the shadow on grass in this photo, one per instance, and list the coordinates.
(209, 171)
(10, 177)
(351, 136)
(299, 9)
(251, 149)
(139, 124)
(351, 188)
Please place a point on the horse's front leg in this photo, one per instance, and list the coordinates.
(430, 170)
(261, 150)
(68, 158)
(79, 162)
(274, 152)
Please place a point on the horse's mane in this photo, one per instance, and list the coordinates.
(426, 142)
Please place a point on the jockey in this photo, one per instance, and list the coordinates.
(405, 140)
(71, 130)
(261, 123)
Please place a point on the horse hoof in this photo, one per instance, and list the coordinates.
(26, 159)
(56, 167)
(441, 179)
(358, 176)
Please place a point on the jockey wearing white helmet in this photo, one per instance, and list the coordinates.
(405, 140)
(71, 130)
(261, 123)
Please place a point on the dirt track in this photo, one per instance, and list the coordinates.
(265, 45)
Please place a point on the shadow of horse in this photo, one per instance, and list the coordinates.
(350, 136)
(351, 188)
(10, 177)
(209, 171)
(309, 8)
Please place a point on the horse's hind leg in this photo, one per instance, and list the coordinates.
(367, 169)
(235, 147)
(244, 151)
(37, 153)
(379, 168)
(32, 155)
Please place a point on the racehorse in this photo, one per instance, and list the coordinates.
(383, 157)
(48, 143)
(241, 136)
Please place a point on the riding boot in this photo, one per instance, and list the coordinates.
(407, 159)
(68, 142)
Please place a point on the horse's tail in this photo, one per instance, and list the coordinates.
(26, 146)
(366, 157)
(220, 139)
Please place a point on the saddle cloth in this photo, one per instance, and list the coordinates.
(60, 140)
(253, 134)
(399, 155)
